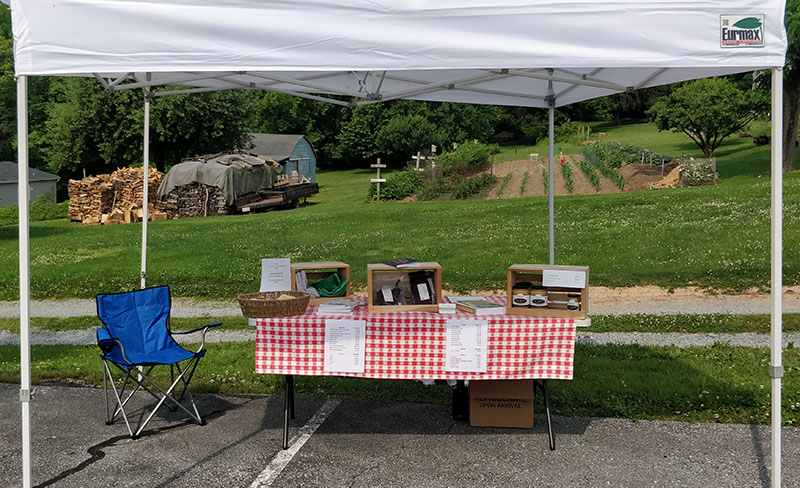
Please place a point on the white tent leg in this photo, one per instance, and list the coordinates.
(776, 363)
(145, 187)
(23, 196)
(551, 184)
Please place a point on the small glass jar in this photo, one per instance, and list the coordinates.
(539, 297)
(521, 294)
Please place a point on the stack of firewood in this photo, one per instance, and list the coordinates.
(114, 199)
(194, 200)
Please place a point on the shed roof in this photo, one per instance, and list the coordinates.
(9, 173)
(276, 146)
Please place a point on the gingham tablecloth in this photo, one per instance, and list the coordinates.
(411, 345)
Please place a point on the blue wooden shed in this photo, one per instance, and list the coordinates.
(293, 151)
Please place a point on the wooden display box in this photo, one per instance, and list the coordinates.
(534, 273)
(317, 271)
(380, 276)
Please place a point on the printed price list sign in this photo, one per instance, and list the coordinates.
(465, 345)
(345, 345)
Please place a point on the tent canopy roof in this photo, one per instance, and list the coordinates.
(475, 51)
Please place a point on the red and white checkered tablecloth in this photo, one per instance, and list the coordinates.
(411, 345)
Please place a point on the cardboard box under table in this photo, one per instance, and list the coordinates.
(504, 403)
(411, 345)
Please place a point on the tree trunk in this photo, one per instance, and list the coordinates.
(791, 116)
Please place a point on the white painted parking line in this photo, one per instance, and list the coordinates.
(282, 459)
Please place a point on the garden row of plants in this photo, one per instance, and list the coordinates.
(603, 166)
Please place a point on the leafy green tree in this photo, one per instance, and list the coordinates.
(96, 130)
(708, 111)
(38, 102)
(356, 140)
(791, 85)
(403, 135)
(320, 122)
(188, 125)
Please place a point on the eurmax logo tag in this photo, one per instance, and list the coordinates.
(742, 31)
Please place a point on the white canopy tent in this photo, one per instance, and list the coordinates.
(533, 54)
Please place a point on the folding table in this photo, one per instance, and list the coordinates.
(411, 345)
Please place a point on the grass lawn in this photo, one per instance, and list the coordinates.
(716, 237)
(717, 383)
(688, 323)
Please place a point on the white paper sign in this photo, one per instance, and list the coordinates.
(422, 289)
(276, 274)
(345, 345)
(465, 345)
(563, 278)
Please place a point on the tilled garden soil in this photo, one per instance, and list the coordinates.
(637, 177)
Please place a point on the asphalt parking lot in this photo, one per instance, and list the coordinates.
(368, 444)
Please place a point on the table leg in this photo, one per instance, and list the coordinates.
(288, 404)
(291, 397)
(460, 401)
(542, 384)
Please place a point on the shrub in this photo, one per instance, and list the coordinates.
(566, 132)
(37, 211)
(469, 158)
(472, 186)
(615, 154)
(701, 171)
(761, 132)
(399, 185)
(429, 191)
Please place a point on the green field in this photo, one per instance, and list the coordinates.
(716, 237)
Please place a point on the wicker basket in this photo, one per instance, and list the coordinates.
(266, 304)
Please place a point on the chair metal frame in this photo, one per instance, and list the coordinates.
(136, 376)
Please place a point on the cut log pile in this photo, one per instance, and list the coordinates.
(115, 198)
(194, 200)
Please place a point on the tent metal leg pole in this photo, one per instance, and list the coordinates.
(542, 385)
(146, 177)
(551, 182)
(776, 364)
(23, 197)
(288, 400)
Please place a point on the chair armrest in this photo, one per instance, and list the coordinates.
(108, 343)
(204, 329)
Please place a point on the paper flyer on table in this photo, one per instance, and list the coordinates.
(276, 274)
(465, 345)
(345, 345)
(563, 278)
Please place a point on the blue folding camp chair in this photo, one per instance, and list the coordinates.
(135, 338)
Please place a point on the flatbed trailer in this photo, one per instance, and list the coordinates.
(282, 197)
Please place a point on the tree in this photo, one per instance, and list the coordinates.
(98, 131)
(403, 135)
(791, 85)
(38, 101)
(708, 111)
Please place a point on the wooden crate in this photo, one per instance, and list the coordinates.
(317, 271)
(533, 272)
(378, 274)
